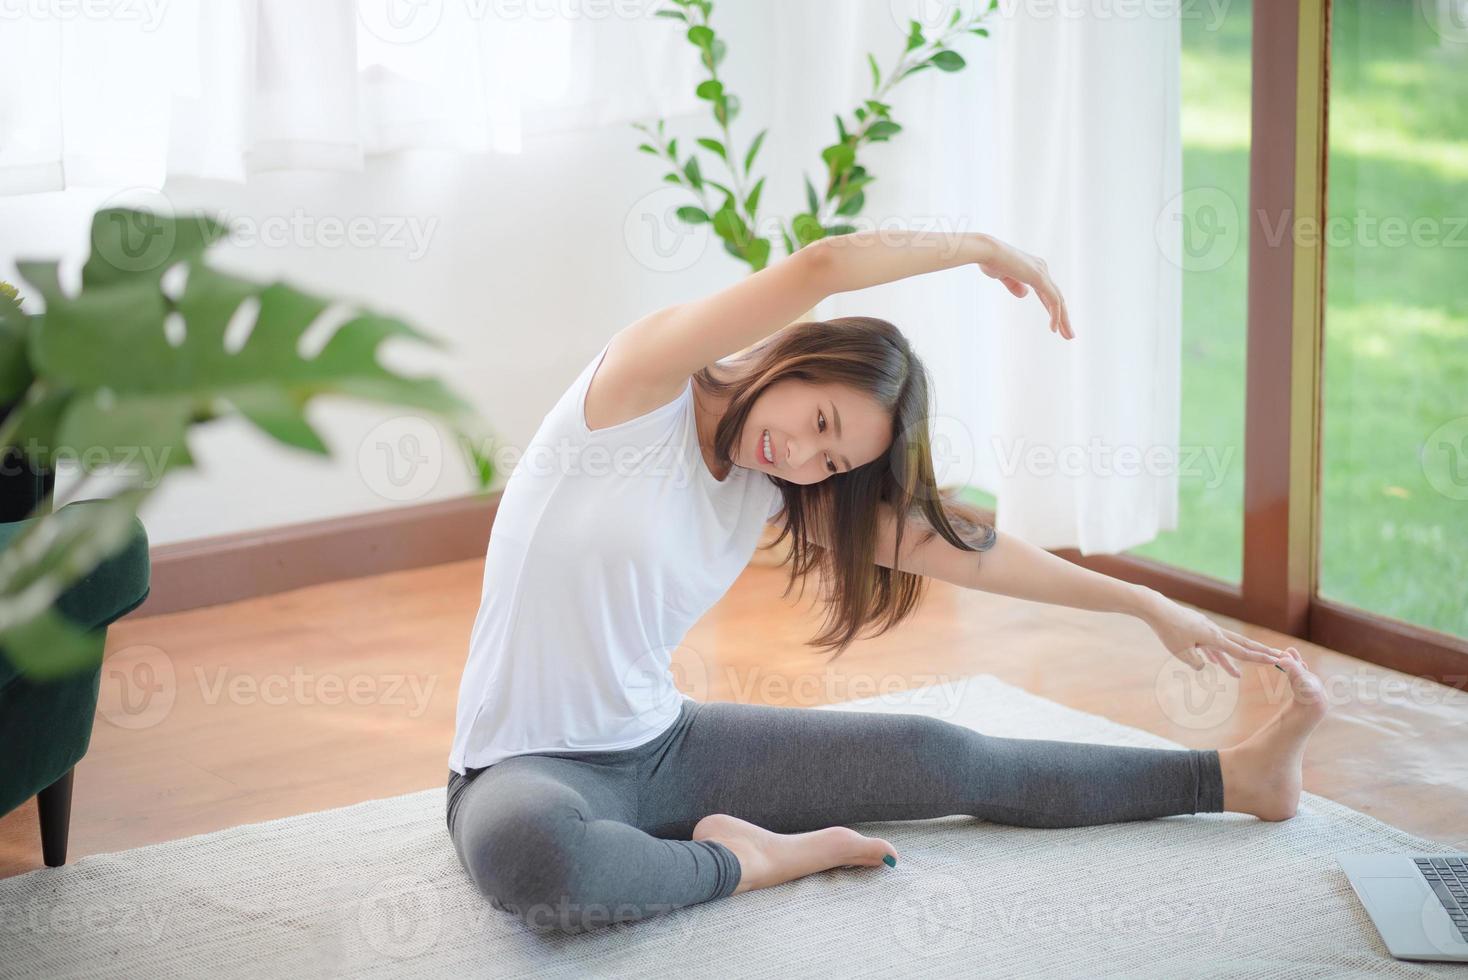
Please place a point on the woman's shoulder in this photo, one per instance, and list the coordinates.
(620, 391)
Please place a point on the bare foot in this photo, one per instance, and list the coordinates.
(1261, 775)
(767, 858)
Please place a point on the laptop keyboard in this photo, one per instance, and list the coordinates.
(1448, 877)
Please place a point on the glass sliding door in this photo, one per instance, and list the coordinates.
(1216, 93)
(1394, 454)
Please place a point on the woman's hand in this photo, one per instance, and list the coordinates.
(1019, 271)
(1195, 639)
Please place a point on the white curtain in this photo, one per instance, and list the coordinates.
(1062, 138)
(226, 88)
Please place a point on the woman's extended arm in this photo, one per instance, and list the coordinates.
(658, 352)
(1014, 567)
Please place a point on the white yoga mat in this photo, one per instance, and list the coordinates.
(375, 889)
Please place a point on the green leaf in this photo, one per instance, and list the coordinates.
(751, 203)
(838, 157)
(758, 253)
(730, 227)
(693, 215)
(852, 205)
(49, 647)
(40, 563)
(840, 129)
(876, 72)
(714, 145)
(645, 148)
(949, 61)
(675, 14)
(957, 13)
(710, 90)
(754, 149)
(790, 247)
(807, 229)
(15, 365)
(880, 108)
(673, 179)
(691, 171)
(883, 129)
(915, 35)
(134, 392)
(701, 35)
(715, 55)
(726, 108)
(813, 202)
(839, 230)
(980, 31)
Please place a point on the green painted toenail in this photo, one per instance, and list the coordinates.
(889, 861)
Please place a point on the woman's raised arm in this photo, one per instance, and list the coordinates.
(657, 353)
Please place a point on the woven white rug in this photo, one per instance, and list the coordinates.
(375, 889)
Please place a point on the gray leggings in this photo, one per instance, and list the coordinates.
(572, 841)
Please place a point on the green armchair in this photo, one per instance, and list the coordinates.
(46, 726)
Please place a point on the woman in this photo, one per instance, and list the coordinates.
(585, 789)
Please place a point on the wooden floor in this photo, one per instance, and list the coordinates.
(345, 692)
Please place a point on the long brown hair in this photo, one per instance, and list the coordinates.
(872, 356)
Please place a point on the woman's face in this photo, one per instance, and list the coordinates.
(813, 430)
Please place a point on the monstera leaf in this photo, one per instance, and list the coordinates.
(153, 342)
(126, 367)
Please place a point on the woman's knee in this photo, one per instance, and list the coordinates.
(524, 855)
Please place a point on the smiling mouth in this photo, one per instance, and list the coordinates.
(767, 448)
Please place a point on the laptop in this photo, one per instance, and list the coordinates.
(1419, 902)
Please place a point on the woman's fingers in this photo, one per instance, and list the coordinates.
(1245, 653)
(1253, 644)
(1224, 662)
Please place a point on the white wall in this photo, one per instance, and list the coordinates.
(527, 267)
(532, 261)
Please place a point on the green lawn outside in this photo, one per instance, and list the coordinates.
(1395, 494)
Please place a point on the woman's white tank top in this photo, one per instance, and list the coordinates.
(607, 547)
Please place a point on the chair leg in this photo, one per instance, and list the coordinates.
(54, 804)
